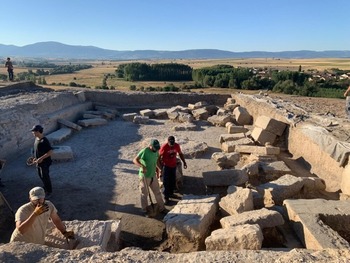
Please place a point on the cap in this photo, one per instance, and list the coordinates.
(36, 193)
(38, 128)
(155, 144)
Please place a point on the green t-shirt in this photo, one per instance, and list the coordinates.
(148, 158)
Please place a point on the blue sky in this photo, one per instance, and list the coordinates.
(270, 25)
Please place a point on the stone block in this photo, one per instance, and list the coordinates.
(92, 122)
(226, 160)
(262, 136)
(147, 113)
(129, 116)
(240, 237)
(219, 120)
(258, 150)
(237, 201)
(271, 125)
(236, 129)
(200, 114)
(225, 177)
(62, 153)
(141, 119)
(230, 146)
(69, 124)
(59, 135)
(263, 217)
(242, 116)
(88, 234)
(190, 220)
(231, 137)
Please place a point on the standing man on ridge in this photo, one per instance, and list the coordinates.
(9, 67)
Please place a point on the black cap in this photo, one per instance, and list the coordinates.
(37, 128)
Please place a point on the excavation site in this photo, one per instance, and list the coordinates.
(267, 176)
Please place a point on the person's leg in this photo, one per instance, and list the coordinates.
(45, 177)
(154, 186)
(166, 183)
(11, 75)
(144, 194)
(172, 181)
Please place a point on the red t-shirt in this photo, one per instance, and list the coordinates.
(168, 154)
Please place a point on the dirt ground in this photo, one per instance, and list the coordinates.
(102, 183)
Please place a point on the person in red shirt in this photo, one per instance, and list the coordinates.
(167, 155)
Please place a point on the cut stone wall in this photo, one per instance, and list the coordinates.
(299, 144)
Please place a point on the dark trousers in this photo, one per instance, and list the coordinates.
(10, 75)
(44, 174)
(169, 181)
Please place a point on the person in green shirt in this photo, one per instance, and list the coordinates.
(147, 160)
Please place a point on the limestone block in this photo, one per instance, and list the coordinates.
(222, 112)
(281, 189)
(345, 180)
(141, 119)
(197, 105)
(190, 220)
(62, 153)
(230, 146)
(106, 109)
(92, 122)
(235, 238)
(231, 137)
(200, 114)
(230, 106)
(313, 184)
(273, 170)
(129, 116)
(147, 113)
(270, 125)
(88, 234)
(185, 117)
(242, 116)
(251, 168)
(59, 135)
(229, 124)
(160, 113)
(219, 120)
(92, 116)
(212, 109)
(237, 201)
(263, 217)
(225, 177)
(226, 160)
(69, 124)
(185, 127)
(236, 129)
(259, 150)
(262, 136)
(230, 101)
(193, 149)
(318, 222)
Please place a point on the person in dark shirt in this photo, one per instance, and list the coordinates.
(9, 67)
(42, 157)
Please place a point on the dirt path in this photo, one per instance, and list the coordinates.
(102, 182)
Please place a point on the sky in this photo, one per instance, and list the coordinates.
(174, 25)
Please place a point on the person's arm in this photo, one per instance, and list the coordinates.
(41, 158)
(138, 163)
(23, 226)
(60, 226)
(346, 92)
(182, 157)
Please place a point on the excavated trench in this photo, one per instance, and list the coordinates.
(302, 161)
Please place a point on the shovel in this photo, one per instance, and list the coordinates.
(152, 210)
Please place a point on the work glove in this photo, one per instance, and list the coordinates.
(40, 209)
(68, 234)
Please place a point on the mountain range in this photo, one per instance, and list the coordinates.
(56, 50)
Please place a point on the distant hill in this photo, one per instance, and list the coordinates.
(56, 50)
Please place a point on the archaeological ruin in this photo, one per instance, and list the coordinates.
(266, 180)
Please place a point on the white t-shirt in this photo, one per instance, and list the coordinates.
(36, 232)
